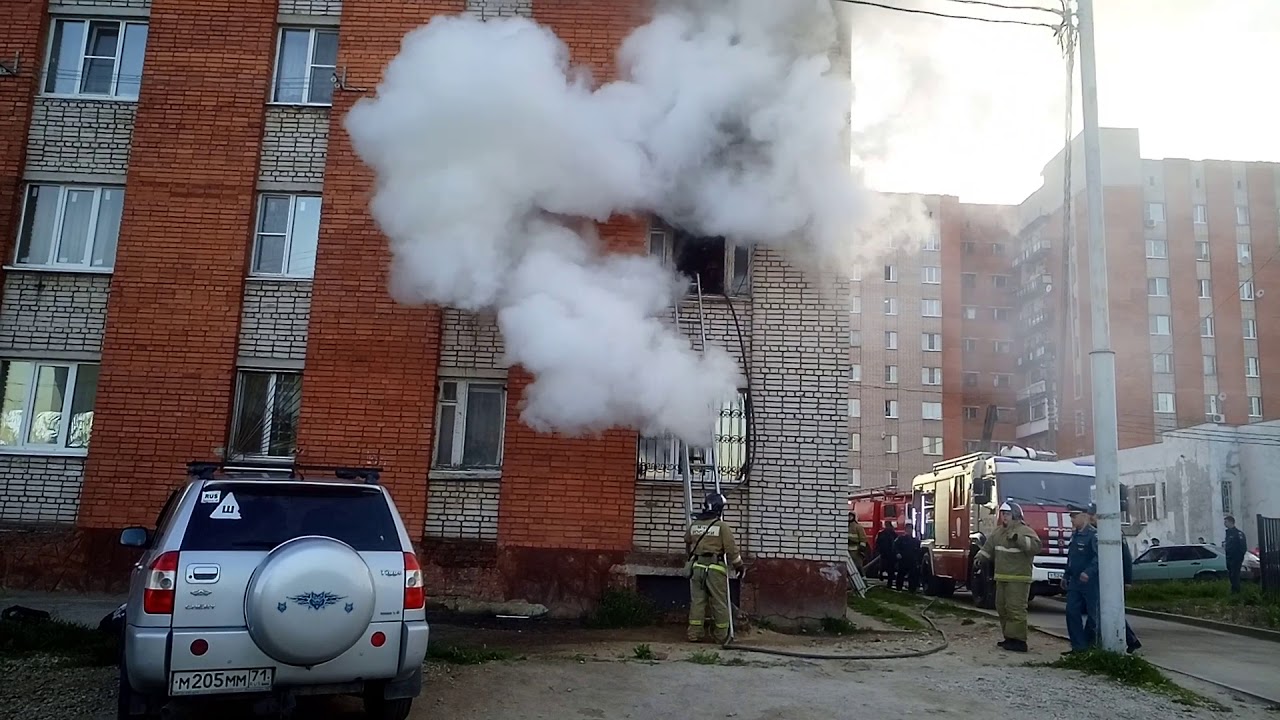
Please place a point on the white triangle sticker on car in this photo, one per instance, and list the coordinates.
(228, 509)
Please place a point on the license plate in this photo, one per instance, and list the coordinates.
(1055, 576)
(211, 682)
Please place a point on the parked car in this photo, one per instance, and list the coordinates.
(255, 585)
(1188, 562)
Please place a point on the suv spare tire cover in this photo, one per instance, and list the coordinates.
(309, 601)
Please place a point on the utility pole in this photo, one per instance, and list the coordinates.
(1102, 359)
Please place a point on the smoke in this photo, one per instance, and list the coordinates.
(490, 150)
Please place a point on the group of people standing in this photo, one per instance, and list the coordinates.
(897, 556)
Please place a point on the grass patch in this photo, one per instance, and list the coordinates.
(705, 657)
(457, 655)
(1134, 672)
(78, 644)
(623, 609)
(1211, 600)
(642, 652)
(890, 615)
(838, 626)
(940, 606)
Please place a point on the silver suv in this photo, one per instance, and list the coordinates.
(263, 585)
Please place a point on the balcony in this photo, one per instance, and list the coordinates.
(1032, 390)
(1035, 427)
(1035, 287)
(1034, 251)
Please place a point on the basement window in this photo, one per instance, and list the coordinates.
(719, 266)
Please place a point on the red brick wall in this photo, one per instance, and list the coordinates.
(1228, 322)
(1130, 328)
(168, 359)
(1188, 360)
(21, 32)
(368, 391)
(1266, 279)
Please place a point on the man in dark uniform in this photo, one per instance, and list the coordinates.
(1235, 546)
(884, 550)
(1131, 641)
(1081, 581)
(906, 551)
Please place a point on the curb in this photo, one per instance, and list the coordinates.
(1245, 630)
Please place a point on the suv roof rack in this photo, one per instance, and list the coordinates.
(209, 470)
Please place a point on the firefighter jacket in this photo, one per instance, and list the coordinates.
(1012, 548)
(857, 535)
(712, 539)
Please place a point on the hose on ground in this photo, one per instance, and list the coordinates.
(731, 645)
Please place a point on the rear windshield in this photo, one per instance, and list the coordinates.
(261, 515)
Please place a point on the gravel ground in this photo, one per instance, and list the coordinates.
(589, 676)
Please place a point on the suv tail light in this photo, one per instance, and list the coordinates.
(415, 596)
(159, 592)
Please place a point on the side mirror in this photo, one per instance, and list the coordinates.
(981, 491)
(135, 537)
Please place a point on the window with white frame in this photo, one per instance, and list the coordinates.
(933, 242)
(1242, 214)
(855, 373)
(931, 275)
(305, 63)
(713, 264)
(932, 445)
(855, 338)
(930, 307)
(890, 444)
(1158, 287)
(890, 273)
(1002, 380)
(891, 306)
(891, 409)
(855, 305)
(931, 376)
(1199, 214)
(1252, 368)
(70, 227)
(1162, 363)
(48, 405)
(1080, 423)
(1039, 410)
(970, 312)
(931, 411)
(1250, 329)
(890, 340)
(1144, 497)
(855, 407)
(265, 417)
(1210, 364)
(1204, 289)
(855, 442)
(1246, 290)
(1001, 314)
(1244, 252)
(1202, 251)
(1206, 326)
(287, 237)
(657, 456)
(1155, 212)
(1226, 497)
(1002, 347)
(999, 281)
(470, 422)
(891, 374)
(972, 412)
(971, 379)
(856, 275)
(892, 475)
(855, 477)
(96, 58)
(931, 342)
(1161, 325)
(1164, 402)
(1157, 249)
(1255, 406)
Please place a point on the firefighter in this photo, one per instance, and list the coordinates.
(884, 550)
(1081, 581)
(1011, 549)
(857, 542)
(711, 547)
(907, 554)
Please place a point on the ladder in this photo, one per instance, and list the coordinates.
(856, 581)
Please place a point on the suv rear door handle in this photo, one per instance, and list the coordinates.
(203, 574)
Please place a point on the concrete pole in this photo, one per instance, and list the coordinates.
(1102, 359)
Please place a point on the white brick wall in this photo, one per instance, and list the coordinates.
(274, 319)
(718, 322)
(40, 489)
(459, 509)
(53, 311)
(294, 145)
(311, 7)
(660, 518)
(84, 136)
(471, 341)
(133, 4)
(485, 9)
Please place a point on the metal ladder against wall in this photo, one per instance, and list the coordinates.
(711, 460)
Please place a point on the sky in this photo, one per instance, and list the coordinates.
(976, 109)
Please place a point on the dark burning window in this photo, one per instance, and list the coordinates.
(719, 266)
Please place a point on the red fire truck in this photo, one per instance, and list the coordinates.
(871, 508)
(954, 509)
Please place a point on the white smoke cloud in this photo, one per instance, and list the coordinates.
(488, 148)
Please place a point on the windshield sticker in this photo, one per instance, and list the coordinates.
(228, 509)
(211, 497)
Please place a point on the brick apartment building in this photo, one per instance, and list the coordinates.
(227, 296)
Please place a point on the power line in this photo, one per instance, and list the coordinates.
(988, 3)
(949, 16)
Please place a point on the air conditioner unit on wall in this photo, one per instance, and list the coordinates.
(1215, 418)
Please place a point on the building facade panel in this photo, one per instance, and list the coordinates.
(471, 341)
(80, 136)
(53, 312)
(274, 319)
(1264, 222)
(294, 145)
(462, 510)
(1228, 321)
(331, 8)
(40, 490)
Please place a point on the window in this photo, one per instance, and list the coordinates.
(930, 307)
(1163, 363)
(855, 373)
(857, 274)
(1160, 325)
(891, 444)
(1004, 414)
(1038, 410)
(933, 242)
(967, 248)
(1255, 406)
(931, 275)
(890, 340)
(890, 306)
(288, 233)
(997, 248)
(1212, 405)
(1210, 365)
(931, 342)
(1246, 290)
(712, 264)
(1002, 380)
(1144, 497)
(970, 312)
(1155, 212)
(968, 280)
(855, 407)
(932, 445)
(265, 419)
(855, 305)
(999, 281)
(305, 64)
(931, 376)
(855, 338)
(470, 419)
(1164, 402)
(1080, 424)
(1157, 249)
(1199, 214)
(1244, 252)
(893, 478)
(1158, 287)
(855, 477)
(972, 412)
(70, 227)
(1202, 251)
(1003, 347)
(1001, 314)
(931, 410)
(972, 446)
(1226, 498)
(971, 379)
(48, 406)
(1242, 214)
(1250, 329)
(1251, 367)
(891, 408)
(891, 374)
(1206, 326)
(1204, 288)
(890, 273)
(855, 442)
(96, 58)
